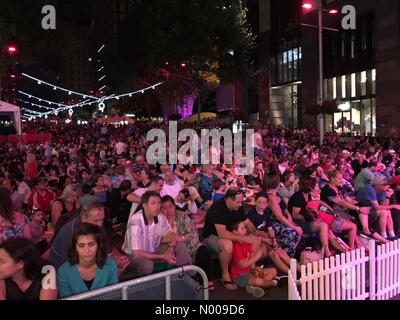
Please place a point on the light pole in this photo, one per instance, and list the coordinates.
(309, 7)
(321, 74)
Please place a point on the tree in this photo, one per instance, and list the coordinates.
(183, 43)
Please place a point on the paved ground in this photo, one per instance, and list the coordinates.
(220, 293)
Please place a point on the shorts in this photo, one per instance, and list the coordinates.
(338, 225)
(243, 280)
(211, 243)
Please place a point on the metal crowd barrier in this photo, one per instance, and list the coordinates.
(157, 286)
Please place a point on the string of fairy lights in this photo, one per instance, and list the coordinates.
(60, 107)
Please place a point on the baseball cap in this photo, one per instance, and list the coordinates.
(379, 180)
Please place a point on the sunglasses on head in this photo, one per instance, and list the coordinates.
(232, 193)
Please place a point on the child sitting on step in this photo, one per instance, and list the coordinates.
(243, 270)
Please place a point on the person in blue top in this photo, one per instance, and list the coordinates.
(88, 266)
(261, 217)
(377, 196)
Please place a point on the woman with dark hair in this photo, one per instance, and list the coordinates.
(186, 230)
(88, 266)
(20, 273)
(289, 186)
(297, 208)
(288, 233)
(12, 223)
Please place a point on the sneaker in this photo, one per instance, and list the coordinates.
(256, 292)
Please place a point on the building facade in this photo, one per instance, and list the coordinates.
(361, 66)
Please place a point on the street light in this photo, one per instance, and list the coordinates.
(309, 6)
(11, 49)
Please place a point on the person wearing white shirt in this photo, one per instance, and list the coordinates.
(149, 238)
(172, 185)
(135, 197)
(120, 147)
(23, 189)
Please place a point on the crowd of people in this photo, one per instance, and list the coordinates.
(90, 204)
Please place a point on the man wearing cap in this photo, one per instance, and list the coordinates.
(364, 178)
(390, 169)
(377, 197)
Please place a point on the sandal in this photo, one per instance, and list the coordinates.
(211, 286)
(229, 285)
(374, 236)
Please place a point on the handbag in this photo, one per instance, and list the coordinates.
(309, 256)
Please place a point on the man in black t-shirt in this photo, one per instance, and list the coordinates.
(222, 215)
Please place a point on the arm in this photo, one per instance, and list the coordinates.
(223, 233)
(132, 197)
(276, 210)
(385, 205)
(344, 203)
(147, 255)
(192, 207)
(250, 226)
(55, 212)
(250, 261)
(296, 214)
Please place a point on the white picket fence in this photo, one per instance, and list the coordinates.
(355, 275)
(292, 283)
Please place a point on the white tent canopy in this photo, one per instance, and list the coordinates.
(14, 112)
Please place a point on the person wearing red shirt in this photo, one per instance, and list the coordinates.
(31, 166)
(43, 197)
(243, 271)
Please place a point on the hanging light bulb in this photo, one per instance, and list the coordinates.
(70, 112)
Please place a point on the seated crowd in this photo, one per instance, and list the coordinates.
(90, 205)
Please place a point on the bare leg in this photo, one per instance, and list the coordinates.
(260, 282)
(352, 232)
(389, 224)
(279, 263)
(363, 216)
(323, 230)
(382, 214)
(225, 257)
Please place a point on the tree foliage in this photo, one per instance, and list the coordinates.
(211, 36)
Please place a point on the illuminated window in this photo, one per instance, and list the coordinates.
(343, 87)
(353, 85)
(334, 94)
